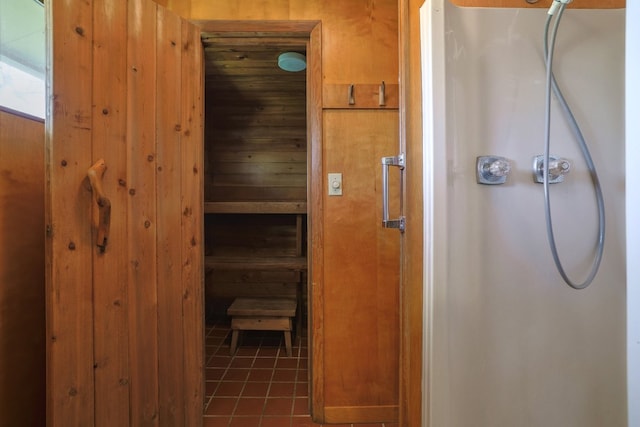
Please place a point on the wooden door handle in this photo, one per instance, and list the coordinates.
(95, 174)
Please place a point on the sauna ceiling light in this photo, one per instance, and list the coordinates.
(292, 61)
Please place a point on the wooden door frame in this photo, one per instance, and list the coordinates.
(307, 33)
(414, 297)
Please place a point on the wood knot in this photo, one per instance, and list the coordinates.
(73, 391)
(150, 158)
(80, 31)
(132, 191)
(72, 246)
(105, 111)
(147, 224)
(122, 182)
(63, 163)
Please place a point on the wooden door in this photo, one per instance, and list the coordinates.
(124, 325)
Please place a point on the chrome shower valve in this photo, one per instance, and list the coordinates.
(492, 170)
(558, 168)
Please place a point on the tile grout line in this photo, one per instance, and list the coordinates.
(226, 369)
(296, 366)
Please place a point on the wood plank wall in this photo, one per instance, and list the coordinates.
(256, 130)
(22, 319)
(249, 236)
(126, 86)
(255, 154)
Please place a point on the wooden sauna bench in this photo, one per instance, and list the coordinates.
(296, 263)
(256, 263)
(295, 208)
(289, 263)
(263, 264)
(263, 314)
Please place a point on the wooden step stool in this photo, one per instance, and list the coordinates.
(262, 314)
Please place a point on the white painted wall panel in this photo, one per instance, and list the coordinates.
(633, 209)
(512, 344)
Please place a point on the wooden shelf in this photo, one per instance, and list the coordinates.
(256, 263)
(269, 207)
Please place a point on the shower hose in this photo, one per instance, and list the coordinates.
(551, 84)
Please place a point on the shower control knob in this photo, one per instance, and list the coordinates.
(492, 170)
(558, 168)
(500, 167)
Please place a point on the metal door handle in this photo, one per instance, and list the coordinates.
(386, 162)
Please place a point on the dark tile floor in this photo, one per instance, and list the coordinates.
(259, 386)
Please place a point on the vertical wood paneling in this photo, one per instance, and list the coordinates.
(361, 299)
(141, 188)
(110, 268)
(169, 260)
(22, 319)
(120, 70)
(192, 83)
(70, 399)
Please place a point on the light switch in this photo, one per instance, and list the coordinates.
(335, 184)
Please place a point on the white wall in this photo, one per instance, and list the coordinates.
(633, 210)
(512, 345)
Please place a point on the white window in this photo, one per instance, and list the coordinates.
(22, 56)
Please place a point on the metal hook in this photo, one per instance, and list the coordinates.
(352, 99)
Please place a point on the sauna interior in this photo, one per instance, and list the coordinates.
(255, 187)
